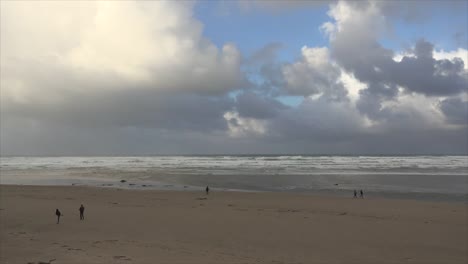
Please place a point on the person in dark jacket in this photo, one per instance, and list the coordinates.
(361, 193)
(58, 214)
(207, 190)
(81, 212)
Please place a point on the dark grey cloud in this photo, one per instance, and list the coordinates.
(60, 95)
(455, 110)
(324, 127)
(29, 137)
(252, 105)
(426, 75)
(272, 80)
(371, 99)
(321, 118)
(419, 73)
(131, 109)
(413, 11)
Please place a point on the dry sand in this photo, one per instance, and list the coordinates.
(128, 226)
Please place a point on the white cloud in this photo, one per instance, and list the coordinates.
(352, 85)
(450, 55)
(244, 126)
(155, 43)
(315, 73)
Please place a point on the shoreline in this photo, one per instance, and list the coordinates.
(441, 178)
(155, 186)
(128, 226)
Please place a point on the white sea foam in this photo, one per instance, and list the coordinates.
(290, 164)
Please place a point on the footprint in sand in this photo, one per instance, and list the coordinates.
(75, 249)
(112, 241)
(122, 257)
(43, 262)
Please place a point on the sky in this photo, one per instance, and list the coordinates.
(233, 77)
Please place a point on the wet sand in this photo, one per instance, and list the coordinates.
(146, 226)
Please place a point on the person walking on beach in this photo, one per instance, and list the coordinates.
(81, 212)
(58, 214)
(207, 190)
(355, 194)
(361, 193)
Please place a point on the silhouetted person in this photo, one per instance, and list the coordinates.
(361, 193)
(355, 194)
(58, 214)
(81, 212)
(207, 190)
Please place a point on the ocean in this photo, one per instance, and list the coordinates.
(407, 177)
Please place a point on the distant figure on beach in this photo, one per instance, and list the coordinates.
(81, 212)
(361, 194)
(58, 214)
(207, 190)
(355, 194)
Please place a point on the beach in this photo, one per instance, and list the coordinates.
(153, 226)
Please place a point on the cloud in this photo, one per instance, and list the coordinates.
(244, 126)
(426, 75)
(314, 74)
(354, 38)
(117, 68)
(252, 105)
(266, 54)
(459, 53)
(140, 64)
(391, 98)
(148, 43)
(354, 42)
(84, 78)
(455, 110)
(319, 118)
